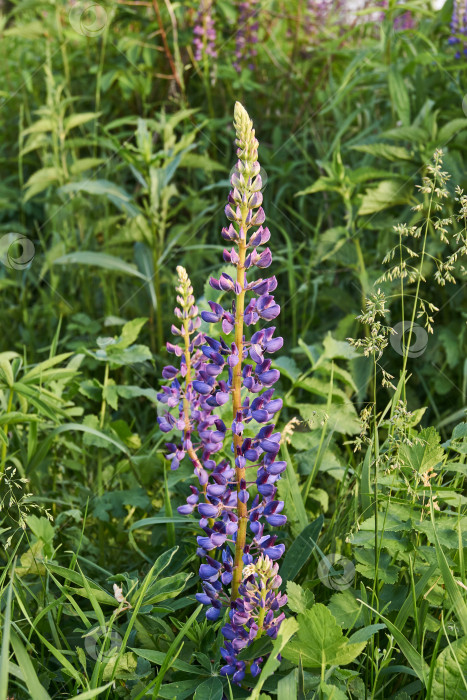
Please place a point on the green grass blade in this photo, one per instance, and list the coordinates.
(5, 653)
(36, 689)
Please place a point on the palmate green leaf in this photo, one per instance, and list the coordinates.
(299, 599)
(425, 453)
(450, 677)
(320, 641)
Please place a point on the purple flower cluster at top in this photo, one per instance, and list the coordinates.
(238, 570)
(316, 15)
(459, 26)
(204, 40)
(246, 37)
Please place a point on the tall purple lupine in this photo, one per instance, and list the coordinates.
(204, 40)
(246, 37)
(239, 569)
(459, 25)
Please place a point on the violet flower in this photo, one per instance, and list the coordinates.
(459, 25)
(237, 501)
(316, 15)
(204, 40)
(246, 37)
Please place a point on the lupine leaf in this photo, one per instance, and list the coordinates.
(320, 641)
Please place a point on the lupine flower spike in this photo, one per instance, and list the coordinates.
(204, 39)
(247, 35)
(234, 505)
(459, 25)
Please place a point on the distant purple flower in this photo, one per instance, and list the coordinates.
(204, 40)
(404, 22)
(459, 26)
(246, 37)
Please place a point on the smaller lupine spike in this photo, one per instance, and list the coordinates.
(204, 40)
(246, 37)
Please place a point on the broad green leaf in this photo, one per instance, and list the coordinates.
(212, 689)
(346, 609)
(320, 642)
(387, 193)
(450, 677)
(299, 599)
